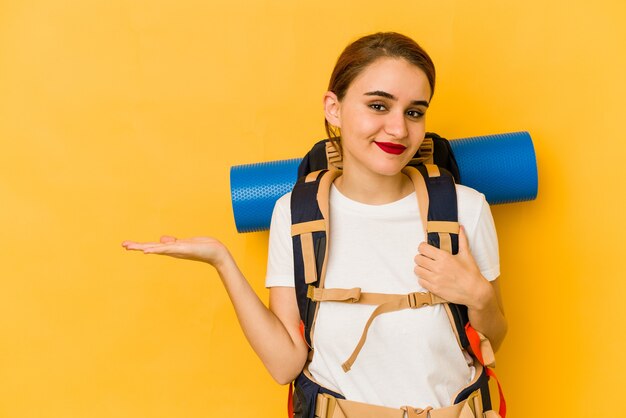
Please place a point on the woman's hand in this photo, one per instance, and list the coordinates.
(205, 249)
(275, 337)
(456, 278)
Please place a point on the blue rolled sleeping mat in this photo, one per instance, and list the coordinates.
(503, 167)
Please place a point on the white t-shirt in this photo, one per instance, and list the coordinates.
(410, 357)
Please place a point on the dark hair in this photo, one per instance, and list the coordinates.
(363, 52)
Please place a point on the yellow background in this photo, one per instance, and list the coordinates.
(120, 120)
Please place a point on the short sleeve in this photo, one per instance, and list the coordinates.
(484, 243)
(280, 253)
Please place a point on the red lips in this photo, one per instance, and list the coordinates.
(391, 148)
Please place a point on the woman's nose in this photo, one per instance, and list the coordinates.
(395, 125)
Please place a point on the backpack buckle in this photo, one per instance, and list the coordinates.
(415, 302)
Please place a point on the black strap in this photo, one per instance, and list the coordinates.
(304, 208)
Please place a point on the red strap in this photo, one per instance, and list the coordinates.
(474, 340)
(290, 401)
(502, 409)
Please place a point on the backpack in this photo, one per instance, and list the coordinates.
(433, 171)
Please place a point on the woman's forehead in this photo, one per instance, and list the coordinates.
(395, 76)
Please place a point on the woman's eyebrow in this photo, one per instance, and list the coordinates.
(394, 98)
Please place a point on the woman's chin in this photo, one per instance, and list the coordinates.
(389, 170)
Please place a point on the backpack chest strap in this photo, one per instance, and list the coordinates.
(386, 303)
(355, 295)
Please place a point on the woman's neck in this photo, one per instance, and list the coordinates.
(373, 189)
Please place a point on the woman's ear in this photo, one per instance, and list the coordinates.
(332, 109)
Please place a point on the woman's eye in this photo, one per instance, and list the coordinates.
(415, 114)
(378, 106)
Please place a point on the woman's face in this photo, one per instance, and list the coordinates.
(382, 116)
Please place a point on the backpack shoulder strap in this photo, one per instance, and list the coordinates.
(442, 226)
(439, 214)
(309, 231)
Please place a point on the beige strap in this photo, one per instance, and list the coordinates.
(461, 410)
(312, 176)
(444, 229)
(311, 226)
(476, 404)
(323, 193)
(412, 300)
(418, 412)
(422, 195)
(334, 295)
(356, 296)
(326, 406)
(308, 258)
(467, 411)
(445, 242)
(432, 170)
(443, 226)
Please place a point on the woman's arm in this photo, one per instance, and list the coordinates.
(273, 333)
(486, 314)
(457, 279)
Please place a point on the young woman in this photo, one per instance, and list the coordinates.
(375, 108)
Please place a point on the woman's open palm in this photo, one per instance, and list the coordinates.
(206, 249)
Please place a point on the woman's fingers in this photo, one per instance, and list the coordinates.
(133, 245)
(428, 250)
(425, 262)
(167, 248)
